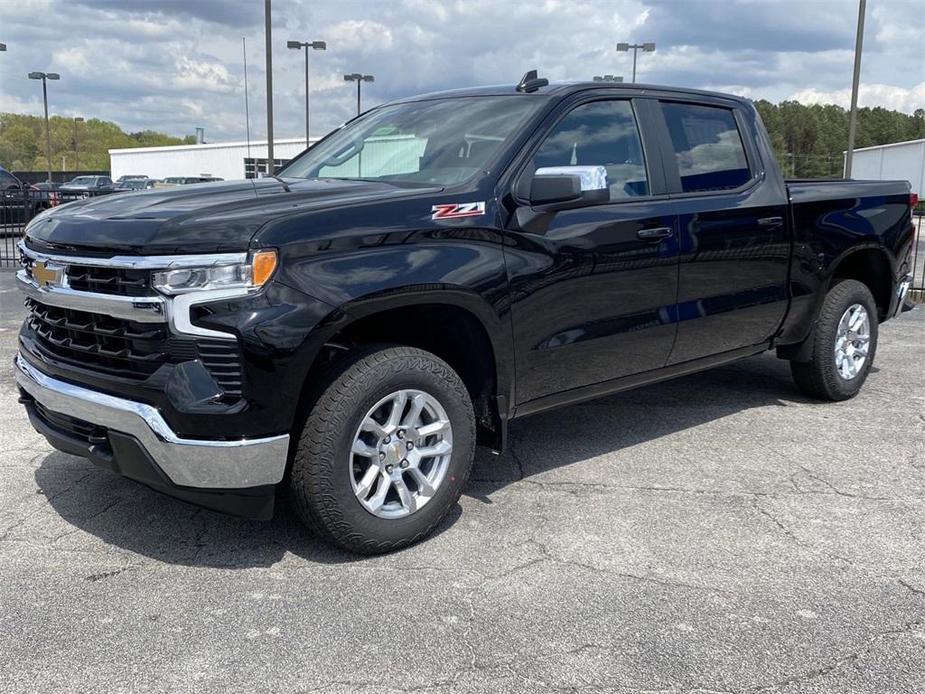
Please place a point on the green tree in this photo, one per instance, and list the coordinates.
(22, 142)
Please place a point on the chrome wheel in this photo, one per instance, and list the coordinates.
(400, 453)
(852, 341)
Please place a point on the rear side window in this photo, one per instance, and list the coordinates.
(707, 146)
(601, 133)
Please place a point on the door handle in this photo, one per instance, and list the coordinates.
(656, 234)
(771, 221)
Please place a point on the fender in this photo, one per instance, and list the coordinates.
(496, 326)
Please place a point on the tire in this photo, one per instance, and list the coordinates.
(327, 474)
(822, 377)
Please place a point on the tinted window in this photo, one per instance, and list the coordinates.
(602, 133)
(708, 148)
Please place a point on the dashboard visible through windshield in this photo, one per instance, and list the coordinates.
(444, 141)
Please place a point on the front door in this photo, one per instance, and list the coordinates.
(593, 288)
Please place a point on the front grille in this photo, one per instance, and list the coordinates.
(109, 280)
(129, 349)
(93, 340)
(101, 280)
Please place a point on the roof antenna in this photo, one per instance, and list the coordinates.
(530, 82)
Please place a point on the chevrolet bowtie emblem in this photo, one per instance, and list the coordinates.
(46, 274)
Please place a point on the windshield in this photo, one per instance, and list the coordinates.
(444, 141)
(83, 181)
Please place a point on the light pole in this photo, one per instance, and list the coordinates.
(608, 78)
(646, 48)
(44, 76)
(315, 46)
(855, 83)
(268, 36)
(358, 78)
(77, 119)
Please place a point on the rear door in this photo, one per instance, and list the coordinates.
(593, 287)
(731, 217)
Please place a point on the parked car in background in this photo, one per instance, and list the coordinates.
(137, 184)
(86, 186)
(130, 177)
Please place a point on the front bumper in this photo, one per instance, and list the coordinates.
(191, 464)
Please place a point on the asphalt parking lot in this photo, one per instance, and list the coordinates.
(719, 533)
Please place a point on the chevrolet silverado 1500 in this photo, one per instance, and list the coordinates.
(351, 329)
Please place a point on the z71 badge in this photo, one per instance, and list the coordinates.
(455, 210)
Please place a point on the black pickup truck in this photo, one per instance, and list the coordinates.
(352, 328)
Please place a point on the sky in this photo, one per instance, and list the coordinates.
(174, 65)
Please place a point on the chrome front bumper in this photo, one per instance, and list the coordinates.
(187, 462)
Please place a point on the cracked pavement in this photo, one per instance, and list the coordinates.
(719, 533)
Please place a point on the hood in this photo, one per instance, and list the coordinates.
(215, 217)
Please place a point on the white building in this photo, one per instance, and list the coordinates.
(900, 160)
(228, 160)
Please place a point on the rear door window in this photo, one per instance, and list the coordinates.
(708, 147)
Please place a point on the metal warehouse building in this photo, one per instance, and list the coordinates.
(900, 160)
(228, 160)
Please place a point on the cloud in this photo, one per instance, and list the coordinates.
(174, 65)
(886, 95)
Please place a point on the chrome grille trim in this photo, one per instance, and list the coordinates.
(147, 309)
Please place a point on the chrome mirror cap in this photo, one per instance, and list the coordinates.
(592, 177)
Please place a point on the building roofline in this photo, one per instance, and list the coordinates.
(889, 144)
(213, 145)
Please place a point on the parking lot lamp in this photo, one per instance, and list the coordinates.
(608, 78)
(646, 48)
(2, 47)
(307, 45)
(358, 78)
(45, 76)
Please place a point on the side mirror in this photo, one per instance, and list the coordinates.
(569, 184)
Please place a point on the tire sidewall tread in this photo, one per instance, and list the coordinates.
(320, 481)
(819, 378)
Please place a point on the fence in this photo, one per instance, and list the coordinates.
(918, 260)
(30, 177)
(17, 208)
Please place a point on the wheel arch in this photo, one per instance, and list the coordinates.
(455, 324)
(872, 266)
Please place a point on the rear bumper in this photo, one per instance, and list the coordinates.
(132, 438)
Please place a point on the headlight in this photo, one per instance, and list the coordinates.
(253, 273)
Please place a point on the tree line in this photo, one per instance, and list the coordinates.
(22, 142)
(808, 139)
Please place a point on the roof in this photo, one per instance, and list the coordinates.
(564, 89)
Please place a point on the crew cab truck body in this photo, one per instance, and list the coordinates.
(351, 329)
